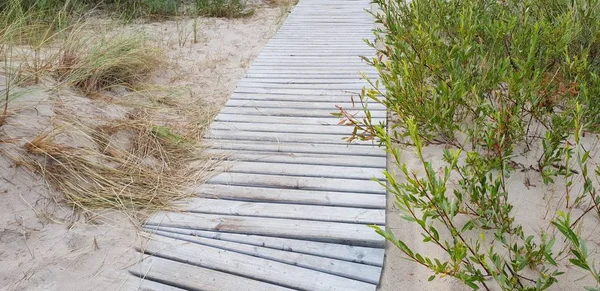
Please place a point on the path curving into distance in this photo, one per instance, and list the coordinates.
(291, 213)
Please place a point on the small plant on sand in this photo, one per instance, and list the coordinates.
(223, 8)
(115, 60)
(505, 87)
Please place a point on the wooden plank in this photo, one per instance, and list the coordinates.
(318, 64)
(320, 51)
(192, 277)
(278, 119)
(341, 87)
(356, 65)
(315, 42)
(310, 61)
(257, 194)
(333, 232)
(282, 45)
(340, 98)
(304, 197)
(360, 272)
(303, 81)
(304, 30)
(317, 54)
(299, 158)
(303, 104)
(315, 71)
(299, 75)
(290, 211)
(251, 267)
(297, 91)
(286, 137)
(292, 112)
(318, 171)
(301, 183)
(290, 128)
(283, 137)
(362, 255)
(141, 284)
(353, 151)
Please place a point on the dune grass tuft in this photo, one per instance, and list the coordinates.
(143, 161)
(119, 60)
(131, 165)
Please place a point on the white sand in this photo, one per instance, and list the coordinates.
(535, 205)
(43, 244)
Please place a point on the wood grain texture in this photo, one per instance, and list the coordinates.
(333, 232)
(243, 265)
(293, 201)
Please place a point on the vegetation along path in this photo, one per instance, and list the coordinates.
(293, 209)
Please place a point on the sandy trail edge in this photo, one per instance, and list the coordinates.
(38, 250)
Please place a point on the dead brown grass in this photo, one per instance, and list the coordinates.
(139, 162)
(131, 164)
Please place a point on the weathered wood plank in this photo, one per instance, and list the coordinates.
(318, 171)
(285, 119)
(293, 112)
(303, 105)
(305, 197)
(341, 98)
(253, 267)
(290, 128)
(299, 158)
(302, 183)
(304, 81)
(196, 278)
(305, 75)
(283, 137)
(277, 119)
(341, 86)
(353, 151)
(362, 255)
(290, 211)
(333, 232)
(141, 284)
(355, 271)
(316, 92)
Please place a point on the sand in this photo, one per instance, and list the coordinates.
(535, 205)
(45, 245)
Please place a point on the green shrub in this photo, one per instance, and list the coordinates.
(163, 7)
(223, 8)
(130, 9)
(490, 80)
(127, 8)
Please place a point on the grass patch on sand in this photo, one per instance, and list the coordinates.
(141, 155)
(110, 61)
(223, 8)
(129, 164)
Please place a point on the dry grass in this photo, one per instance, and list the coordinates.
(281, 3)
(112, 60)
(141, 162)
(130, 164)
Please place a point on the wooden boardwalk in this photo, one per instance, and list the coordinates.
(291, 213)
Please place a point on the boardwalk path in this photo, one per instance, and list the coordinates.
(291, 213)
